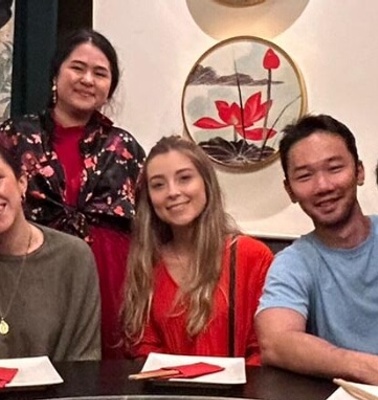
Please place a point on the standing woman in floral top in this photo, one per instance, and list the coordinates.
(81, 169)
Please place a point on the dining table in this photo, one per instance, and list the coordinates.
(108, 379)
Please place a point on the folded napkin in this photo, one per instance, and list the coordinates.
(194, 370)
(179, 371)
(6, 375)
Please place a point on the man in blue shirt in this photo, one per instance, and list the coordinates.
(319, 311)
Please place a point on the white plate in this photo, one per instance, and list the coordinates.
(233, 374)
(32, 371)
(341, 394)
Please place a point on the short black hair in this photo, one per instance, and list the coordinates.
(309, 124)
(75, 39)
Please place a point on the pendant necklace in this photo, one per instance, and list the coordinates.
(4, 326)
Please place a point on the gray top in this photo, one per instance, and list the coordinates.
(56, 310)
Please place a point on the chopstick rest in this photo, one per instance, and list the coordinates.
(355, 391)
(180, 371)
(6, 375)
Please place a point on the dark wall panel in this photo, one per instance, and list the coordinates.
(38, 25)
(74, 14)
(34, 44)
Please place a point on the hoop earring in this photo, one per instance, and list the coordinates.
(54, 92)
(23, 198)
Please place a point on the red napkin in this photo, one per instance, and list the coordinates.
(180, 371)
(194, 370)
(6, 375)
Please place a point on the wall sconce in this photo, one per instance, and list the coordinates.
(222, 19)
(240, 3)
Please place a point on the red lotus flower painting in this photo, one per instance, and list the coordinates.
(271, 60)
(238, 97)
(240, 118)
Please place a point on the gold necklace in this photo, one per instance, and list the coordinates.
(4, 326)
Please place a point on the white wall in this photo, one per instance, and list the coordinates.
(333, 42)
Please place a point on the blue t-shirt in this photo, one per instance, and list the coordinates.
(336, 290)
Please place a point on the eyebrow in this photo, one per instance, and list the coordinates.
(327, 160)
(84, 64)
(187, 169)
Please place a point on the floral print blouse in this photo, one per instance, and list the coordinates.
(112, 162)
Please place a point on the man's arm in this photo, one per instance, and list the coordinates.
(284, 343)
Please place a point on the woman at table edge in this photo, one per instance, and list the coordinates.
(178, 273)
(50, 300)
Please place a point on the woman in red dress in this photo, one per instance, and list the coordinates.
(81, 169)
(178, 281)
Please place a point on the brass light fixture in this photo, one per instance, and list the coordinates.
(240, 3)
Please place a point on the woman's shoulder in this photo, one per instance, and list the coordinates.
(253, 259)
(64, 240)
(21, 123)
(114, 133)
(253, 255)
(248, 243)
(68, 256)
(123, 134)
(112, 130)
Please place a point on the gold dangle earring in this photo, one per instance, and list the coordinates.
(53, 92)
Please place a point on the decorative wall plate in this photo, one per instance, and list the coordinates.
(237, 99)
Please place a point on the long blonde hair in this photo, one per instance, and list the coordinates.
(150, 233)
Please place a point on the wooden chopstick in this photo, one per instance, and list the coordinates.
(157, 373)
(355, 391)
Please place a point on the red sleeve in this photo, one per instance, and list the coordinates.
(154, 337)
(150, 343)
(254, 259)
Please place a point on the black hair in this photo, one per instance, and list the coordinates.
(11, 157)
(5, 11)
(75, 39)
(309, 124)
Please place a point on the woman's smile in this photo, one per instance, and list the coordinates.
(176, 188)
